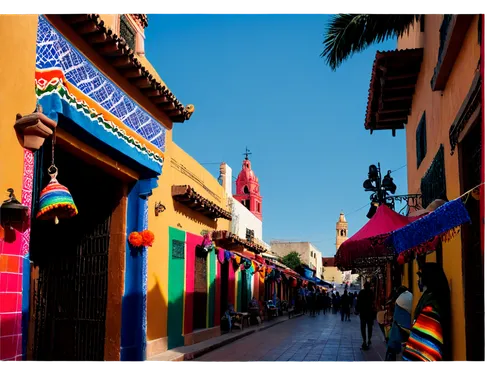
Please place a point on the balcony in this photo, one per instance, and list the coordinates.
(451, 36)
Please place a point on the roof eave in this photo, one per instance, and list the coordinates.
(392, 85)
(117, 52)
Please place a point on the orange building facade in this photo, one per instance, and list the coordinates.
(432, 86)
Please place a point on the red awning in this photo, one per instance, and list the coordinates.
(367, 246)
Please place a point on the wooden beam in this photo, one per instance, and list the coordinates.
(167, 106)
(386, 118)
(89, 154)
(162, 99)
(108, 48)
(399, 119)
(76, 18)
(121, 61)
(389, 111)
(398, 99)
(97, 38)
(87, 27)
(404, 87)
(401, 76)
(388, 126)
(132, 73)
(174, 113)
(151, 92)
(141, 82)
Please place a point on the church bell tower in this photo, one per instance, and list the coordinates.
(341, 230)
(248, 188)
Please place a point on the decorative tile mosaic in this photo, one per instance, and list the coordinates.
(56, 85)
(54, 51)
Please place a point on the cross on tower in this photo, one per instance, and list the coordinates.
(247, 152)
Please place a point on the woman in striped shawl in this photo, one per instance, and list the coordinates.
(430, 333)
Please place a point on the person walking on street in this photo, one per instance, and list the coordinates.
(366, 314)
(336, 303)
(354, 303)
(344, 306)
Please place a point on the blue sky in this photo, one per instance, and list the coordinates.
(259, 81)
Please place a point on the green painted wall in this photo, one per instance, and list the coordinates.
(212, 267)
(176, 267)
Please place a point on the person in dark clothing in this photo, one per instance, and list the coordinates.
(336, 303)
(366, 310)
(325, 302)
(312, 300)
(345, 307)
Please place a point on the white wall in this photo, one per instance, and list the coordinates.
(305, 249)
(242, 217)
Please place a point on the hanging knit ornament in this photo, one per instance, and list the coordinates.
(56, 201)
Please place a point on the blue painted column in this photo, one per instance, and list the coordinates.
(133, 330)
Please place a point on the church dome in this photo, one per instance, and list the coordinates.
(246, 173)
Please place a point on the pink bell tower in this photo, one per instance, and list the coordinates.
(247, 188)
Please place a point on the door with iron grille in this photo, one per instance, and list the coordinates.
(70, 291)
(200, 291)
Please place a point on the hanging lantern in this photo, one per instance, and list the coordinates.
(56, 201)
(13, 215)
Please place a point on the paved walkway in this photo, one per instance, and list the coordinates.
(187, 353)
(323, 338)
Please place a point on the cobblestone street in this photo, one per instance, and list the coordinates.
(323, 338)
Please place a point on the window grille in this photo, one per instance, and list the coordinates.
(177, 249)
(421, 140)
(433, 184)
(127, 32)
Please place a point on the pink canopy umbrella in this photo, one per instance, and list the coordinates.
(367, 247)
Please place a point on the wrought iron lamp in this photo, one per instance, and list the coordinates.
(159, 207)
(381, 188)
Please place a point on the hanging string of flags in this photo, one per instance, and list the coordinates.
(271, 272)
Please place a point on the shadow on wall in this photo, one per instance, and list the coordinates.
(182, 312)
(156, 313)
(194, 216)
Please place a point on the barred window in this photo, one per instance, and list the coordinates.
(127, 32)
(177, 249)
(249, 235)
(421, 140)
(433, 184)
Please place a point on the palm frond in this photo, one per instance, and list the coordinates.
(347, 34)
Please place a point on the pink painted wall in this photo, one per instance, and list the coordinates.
(11, 277)
(191, 241)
